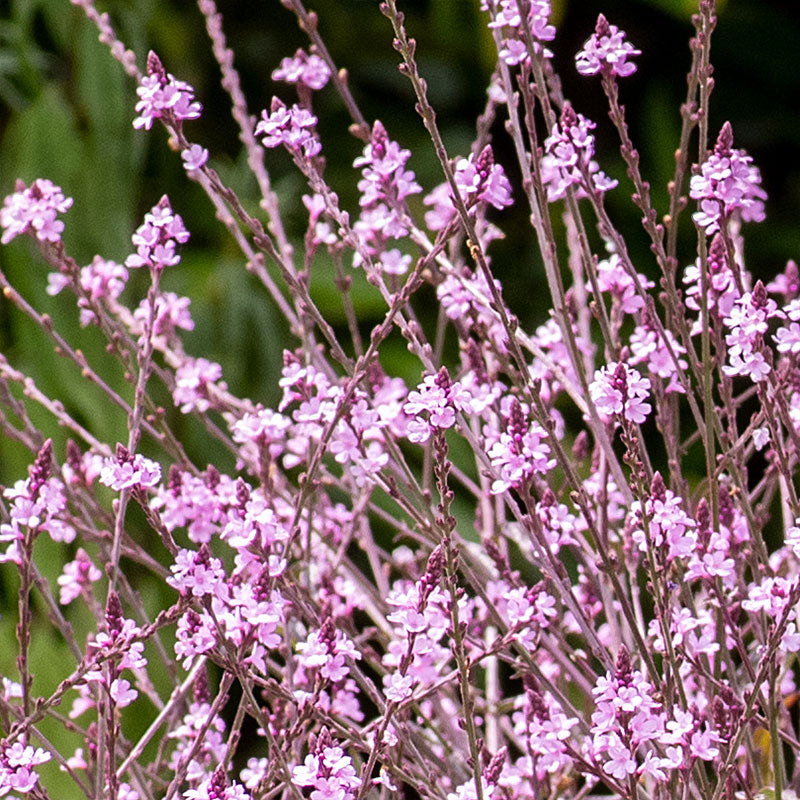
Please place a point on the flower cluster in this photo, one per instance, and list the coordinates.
(162, 96)
(37, 505)
(34, 209)
(292, 128)
(518, 452)
(17, 767)
(101, 281)
(506, 18)
(125, 471)
(606, 52)
(384, 187)
(304, 69)
(727, 184)
(433, 405)
(747, 323)
(569, 158)
(619, 390)
(156, 238)
(328, 770)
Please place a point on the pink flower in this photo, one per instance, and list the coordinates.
(606, 51)
(77, 577)
(121, 693)
(192, 381)
(568, 160)
(481, 179)
(289, 127)
(156, 238)
(618, 389)
(397, 687)
(619, 764)
(33, 210)
(161, 95)
(123, 473)
(507, 18)
(727, 184)
(309, 70)
(194, 157)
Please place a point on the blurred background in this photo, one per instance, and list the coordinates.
(66, 109)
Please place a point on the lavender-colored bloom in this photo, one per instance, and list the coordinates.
(507, 18)
(124, 473)
(33, 210)
(618, 389)
(308, 70)
(569, 157)
(727, 184)
(747, 324)
(606, 52)
(194, 157)
(161, 95)
(192, 381)
(77, 577)
(157, 237)
(482, 179)
(290, 127)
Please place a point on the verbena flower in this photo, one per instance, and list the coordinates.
(506, 18)
(305, 69)
(157, 238)
(162, 96)
(606, 52)
(727, 184)
(569, 158)
(291, 128)
(34, 210)
(619, 390)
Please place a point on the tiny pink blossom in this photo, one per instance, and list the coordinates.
(606, 51)
(33, 210)
(194, 157)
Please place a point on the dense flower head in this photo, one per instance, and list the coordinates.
(194, 379)
(618, 389)
(518, 452)
(480, 178)
(434, 404)
(156, 239)
(291, 127)
(727, 184)
(162, 96)
(308, 70)
(747, 323)
(17, 767)
(35, 506)
(606, 52)
(33, 209)
(569, 161)
(506, 18)
(125, 471)
(328, 770)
